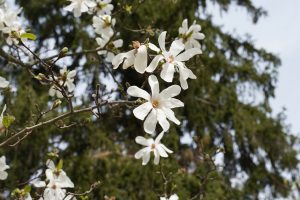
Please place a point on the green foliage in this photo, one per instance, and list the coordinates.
(218, 110)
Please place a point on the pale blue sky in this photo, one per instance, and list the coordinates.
(279, 33)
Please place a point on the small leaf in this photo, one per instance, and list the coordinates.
(27, 189)
(29, 36)
(60, 165)
(7, 121)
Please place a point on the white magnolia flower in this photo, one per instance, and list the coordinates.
(174, 61)
(1, 119)
(104, 7)
(80, 6)
(66, 79)
(173, 197)
(190, 35)
(3, 82)
(3, 167)
(57, 180)
(10, 24)
(113, 45)
(28, 197)
(138, 57)
(154, 146)
(103, 25)
(158, 106)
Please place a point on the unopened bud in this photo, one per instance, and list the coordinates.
(136, 44)
(63, 51)
(56, 103)
(41, 77)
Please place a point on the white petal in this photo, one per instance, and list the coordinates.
(161, 151)
(159, 137)
(3, 175)
(154, 63)
(156, 157)
(70, 86)
(154, 84)
(150, 122)
(153, 47)
(138, 92)
(166, 149)
(171, 116)
(142, 141)
(172, 103)
(140, 61)
(140, 153)
(162, 41)
(162, 120)
(142, 111)
(176, 47)
(188, 54)
(3, 82)
(170, 91)
(167, 72)
(174, 197)
(39, 183)
(50, 164)
(118, 43)
(146, 158)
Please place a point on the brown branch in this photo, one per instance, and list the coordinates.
(29, 129)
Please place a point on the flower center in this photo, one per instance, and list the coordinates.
(155, 104)
(153, 146)
(170, 59)
(136, 44)
(53, 187)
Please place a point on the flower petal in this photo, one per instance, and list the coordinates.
(170, 91)
(167, 72)
(171, 116)
(162, 120)
(161, 151)
(154, 84)
(146, 158)
(150, 122)
(159, 137)
(162, 40)
(188, 54)
(142, 141)
(154, 63)
(156, 157)
(142, 111)
(137, 92)
(176, 47)
(140, 61)
(153, 47)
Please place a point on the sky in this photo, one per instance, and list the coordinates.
(279, 33)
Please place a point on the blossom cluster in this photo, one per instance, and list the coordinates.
(157, 106)
(10, 24)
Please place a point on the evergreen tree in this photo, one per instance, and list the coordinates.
(219, 113)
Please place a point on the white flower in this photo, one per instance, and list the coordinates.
(57, 180)
(113, 45)
(138, 57)
(3, 167)
(3, 82)
(174, 61)
(158, 106)
(66, 79)
(1, 119)
(154, 146)
(103, 25)
(190, 35)
(104, 7)
(173, 197)
(80, 6)
(10, 24)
